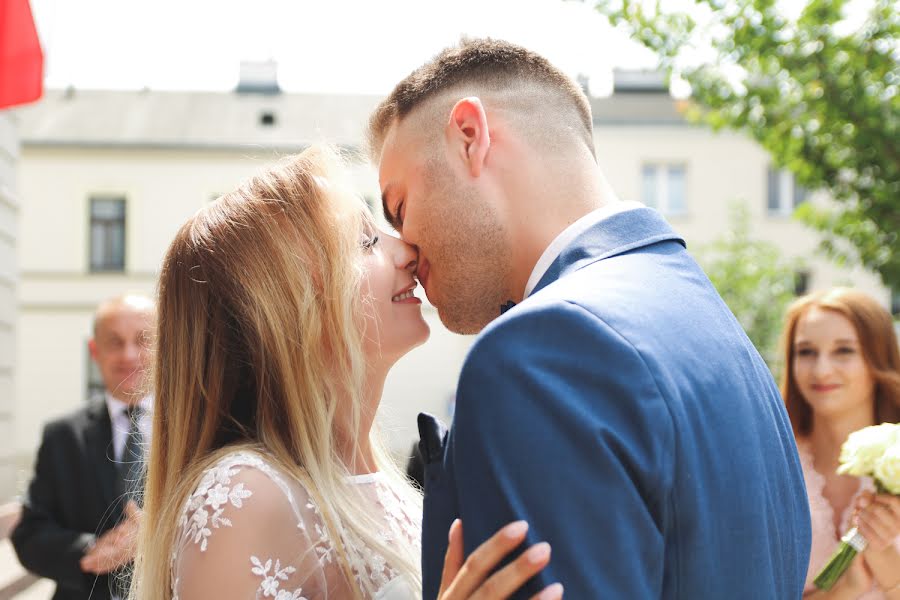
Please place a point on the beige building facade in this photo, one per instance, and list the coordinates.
(650, 153)
(9, 217)
(108, 177)
(113, 175)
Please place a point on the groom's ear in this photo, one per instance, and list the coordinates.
(467, 134)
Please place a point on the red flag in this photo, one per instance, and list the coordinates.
(21, 59)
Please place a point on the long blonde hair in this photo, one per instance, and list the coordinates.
(260, 345)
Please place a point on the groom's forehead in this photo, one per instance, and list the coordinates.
(398, 149)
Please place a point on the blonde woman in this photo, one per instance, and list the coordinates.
(281, 311)
(842, 373)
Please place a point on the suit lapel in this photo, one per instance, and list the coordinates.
(100, 447)
(616, 234)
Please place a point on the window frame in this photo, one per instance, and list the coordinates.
(788, 193)
(109, 224)
(663, 171)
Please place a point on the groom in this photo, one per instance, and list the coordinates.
(611, 399)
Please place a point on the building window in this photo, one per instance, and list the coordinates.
(801, 282)
(663, 188)
(267, 118)
(95, 387)
(783, 192)
(107, 234)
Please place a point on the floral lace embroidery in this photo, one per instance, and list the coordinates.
(204, 509)
(271, 582)
(214, 492)
(369, 564)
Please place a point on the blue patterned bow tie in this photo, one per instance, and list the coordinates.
(507, 306)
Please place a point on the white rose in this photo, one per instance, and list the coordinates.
(887, 471)
(863, 448)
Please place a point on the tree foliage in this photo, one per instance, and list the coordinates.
(820, 93)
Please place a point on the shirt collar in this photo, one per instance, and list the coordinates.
(568, 234)
(116, 407)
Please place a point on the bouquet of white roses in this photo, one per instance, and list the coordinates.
(870, 452)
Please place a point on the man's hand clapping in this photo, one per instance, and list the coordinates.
(116, 547)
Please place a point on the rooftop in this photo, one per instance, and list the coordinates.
(235, 120)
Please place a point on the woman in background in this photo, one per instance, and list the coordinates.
(842, 373)
(281, 311)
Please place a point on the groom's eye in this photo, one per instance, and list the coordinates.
(398, 215)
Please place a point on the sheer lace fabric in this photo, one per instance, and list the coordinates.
(250, 531)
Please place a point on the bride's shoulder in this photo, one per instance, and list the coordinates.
(243, 486)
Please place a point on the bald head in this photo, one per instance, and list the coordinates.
(126, 304)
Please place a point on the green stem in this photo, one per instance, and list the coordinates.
(835, 567)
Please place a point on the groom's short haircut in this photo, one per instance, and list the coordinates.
(547, 104)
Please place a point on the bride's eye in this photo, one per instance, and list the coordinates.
(369, 239)
(370, 243)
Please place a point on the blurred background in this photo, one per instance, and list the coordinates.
(766, 133)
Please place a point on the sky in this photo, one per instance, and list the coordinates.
(336, 46)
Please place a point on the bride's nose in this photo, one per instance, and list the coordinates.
(406, 256)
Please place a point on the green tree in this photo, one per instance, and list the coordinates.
(754, 280)
(820, 94)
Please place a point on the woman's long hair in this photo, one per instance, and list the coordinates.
(259, 345)
(878, 342)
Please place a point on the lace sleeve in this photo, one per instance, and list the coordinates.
(248, 532)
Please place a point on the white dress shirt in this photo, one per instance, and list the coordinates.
(568, 235)
(121, 424)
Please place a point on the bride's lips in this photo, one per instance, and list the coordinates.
(405, 296)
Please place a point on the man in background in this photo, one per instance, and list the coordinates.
(79, 517)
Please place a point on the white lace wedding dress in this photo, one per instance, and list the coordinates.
(250, 531)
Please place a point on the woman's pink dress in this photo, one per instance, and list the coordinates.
(824, 538)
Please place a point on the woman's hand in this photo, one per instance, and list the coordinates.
(469, 579)
(857, 580)
(879, 519)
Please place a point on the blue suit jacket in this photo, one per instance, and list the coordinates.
(622, 411)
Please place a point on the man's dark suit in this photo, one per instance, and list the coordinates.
(76, 495)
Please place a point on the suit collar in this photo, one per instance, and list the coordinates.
(614, 235)
(569, 234)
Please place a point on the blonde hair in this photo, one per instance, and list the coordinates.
(878, 343)
(259, 345)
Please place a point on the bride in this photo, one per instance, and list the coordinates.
(281, 310)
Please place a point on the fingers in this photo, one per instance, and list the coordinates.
(93, 561)
(891, 503)
(483, 560)
(551, 592)
(879, 522)
(88, 563)
(506, 581)
(453, 559)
